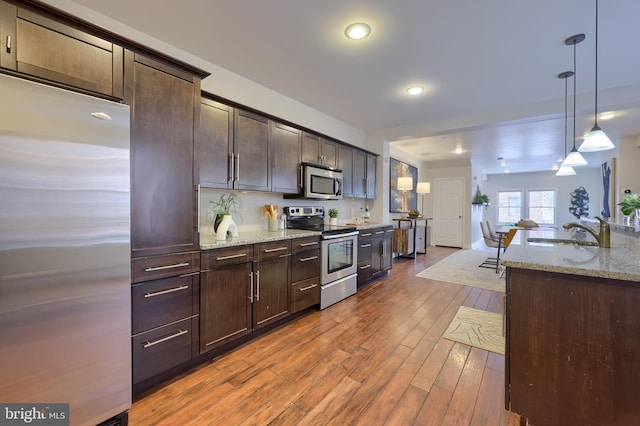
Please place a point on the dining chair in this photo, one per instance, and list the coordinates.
(493, 242)
(490, 229)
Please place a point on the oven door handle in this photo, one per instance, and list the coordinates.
(334, 236)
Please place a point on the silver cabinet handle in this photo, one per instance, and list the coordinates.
(164, 339)
(238, 167)
(232, 173)
(379, 232)
(285, 255)
(365, 245)
(308, 287)
(233, 256)
(160, 268)
(315, 243)
(301, 178)
(275, 249)
(198, 211)
(306, 259)
(257, 286)
(169, 290)
(251, 287)
(366, 235)
(8, 44)
(365, 267)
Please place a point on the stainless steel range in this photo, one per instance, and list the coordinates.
(338, 254)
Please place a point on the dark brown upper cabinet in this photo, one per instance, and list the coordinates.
(286, 157)
(319, 150)
(164, 105)
(48, 49)
(234, 148)
(345, 163)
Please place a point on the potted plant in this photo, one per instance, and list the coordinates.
(480, 198)
(333, 216)
(630, 204)
(228, 203)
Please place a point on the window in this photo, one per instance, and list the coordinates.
(542, 206)
(509, 206)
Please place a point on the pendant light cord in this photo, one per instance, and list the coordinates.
(566, 84)
(595, 116)
(574, 96)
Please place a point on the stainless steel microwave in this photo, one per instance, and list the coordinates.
(321, 182)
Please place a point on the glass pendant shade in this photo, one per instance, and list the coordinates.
(565, 171)
(574, 159)
(596, 140)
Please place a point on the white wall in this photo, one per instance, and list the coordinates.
(589, 178)
(628, 161)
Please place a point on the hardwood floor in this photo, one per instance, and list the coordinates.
(375, 358)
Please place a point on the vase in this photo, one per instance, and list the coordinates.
(227, 227)
(333, 221)
(273, 225)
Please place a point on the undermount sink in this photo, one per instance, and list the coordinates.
(562, 241)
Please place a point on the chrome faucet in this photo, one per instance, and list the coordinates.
(603, 237)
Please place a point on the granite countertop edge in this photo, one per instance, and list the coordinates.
(209, 242)
(619, 263)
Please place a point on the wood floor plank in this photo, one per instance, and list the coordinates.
(408, 407)
(466, 390)
(485, 412)
(376, 358)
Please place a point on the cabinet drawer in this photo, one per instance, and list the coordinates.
(305, 265)
(162, 348)
(159, 302)
(364, 250)
(212, 259)
(364, 271)
(171, 265)
(304, 244)
(305, 293)
(272, 249)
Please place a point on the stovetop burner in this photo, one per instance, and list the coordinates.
(312, 219)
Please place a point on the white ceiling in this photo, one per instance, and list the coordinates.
(490, 67)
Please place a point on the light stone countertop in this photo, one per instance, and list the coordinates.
(621, 261)
(208, 242)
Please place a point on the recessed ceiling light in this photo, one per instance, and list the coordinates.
(607, 115)
(357, 31)
(415, 90)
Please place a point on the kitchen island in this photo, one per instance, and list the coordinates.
(572, 342)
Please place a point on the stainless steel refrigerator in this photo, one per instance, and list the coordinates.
(65, 304)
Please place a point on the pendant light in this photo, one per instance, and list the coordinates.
(574, 159)
(565, 170)
(596, 140)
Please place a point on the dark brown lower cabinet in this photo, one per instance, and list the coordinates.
(225, 299)
(305, 273)
(374, 253)
(271, 294)
(572, 349)
(165, 324)
(243, 288)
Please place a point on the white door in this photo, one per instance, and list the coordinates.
(448, 208)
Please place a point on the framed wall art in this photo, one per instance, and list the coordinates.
(608, 173)
(402, 201)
